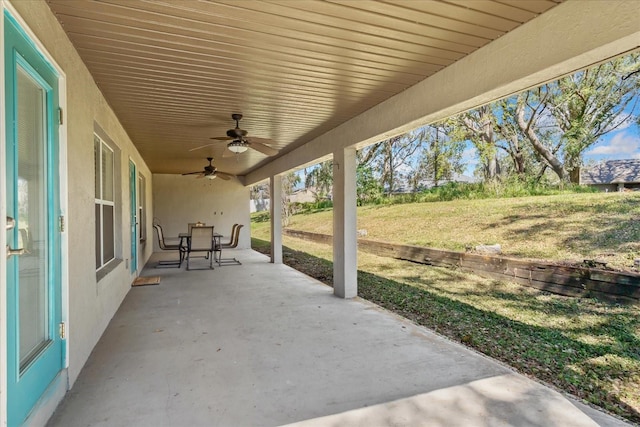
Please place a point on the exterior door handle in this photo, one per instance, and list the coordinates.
(11, 223)
(10, 251)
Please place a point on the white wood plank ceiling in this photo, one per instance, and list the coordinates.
(175, 70)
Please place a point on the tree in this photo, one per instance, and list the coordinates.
(594, 102)
(319, 180)
(510, 138)
(389, 156)
(442, 156)
(562, 119)
(532, 118)
(289, 182)
(259, 193)
(367, 187)
(478, 127)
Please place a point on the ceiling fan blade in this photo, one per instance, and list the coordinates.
(200, 176)
(221, 138)
(264, 149)
(202, 146)
(224, 176)
(192, 173)
(258, 140)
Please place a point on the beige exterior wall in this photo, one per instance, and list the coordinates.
(179, 200)
(90, 304)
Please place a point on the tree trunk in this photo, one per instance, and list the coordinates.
(518, 156)
(491, 168)
(574, 175)
(488, 138)
(551, 159)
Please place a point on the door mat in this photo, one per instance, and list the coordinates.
(144, 281)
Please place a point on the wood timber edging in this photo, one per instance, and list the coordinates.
(573, 281)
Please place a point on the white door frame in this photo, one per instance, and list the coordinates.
(137, 214)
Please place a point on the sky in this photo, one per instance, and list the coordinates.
(617, 145)
(470, 160)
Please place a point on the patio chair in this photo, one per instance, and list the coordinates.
(195, 224)
(191, 225)
(167, 247)
(231, 236)
(232, 243)
(201, 240)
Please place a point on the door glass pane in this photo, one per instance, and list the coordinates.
(32, 218)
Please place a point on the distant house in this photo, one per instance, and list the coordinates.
(404, 186)
(258, 205)
(303, 195)
(612, 175)
(459, 178)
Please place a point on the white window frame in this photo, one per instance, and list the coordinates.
(101, 202)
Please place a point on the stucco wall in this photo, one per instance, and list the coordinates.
(179, 200)
(91, 303)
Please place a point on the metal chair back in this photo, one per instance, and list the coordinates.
(195, 224)
(201, 239)
(236, 236)
(165, 247)
(233, 232)
(161, 242)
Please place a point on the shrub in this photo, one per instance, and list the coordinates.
(262, 216)
(511, 187)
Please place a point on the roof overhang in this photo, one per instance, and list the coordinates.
(315, 77)
(555, 44)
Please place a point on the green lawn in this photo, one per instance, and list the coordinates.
(570, 227)
(583, 346)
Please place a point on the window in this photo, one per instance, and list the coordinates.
(142, 228)
(105, 202)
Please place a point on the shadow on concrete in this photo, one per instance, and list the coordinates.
(551, 354)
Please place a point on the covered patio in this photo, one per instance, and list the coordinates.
(265, 345)
(140, 100)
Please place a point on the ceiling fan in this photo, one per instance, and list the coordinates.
(210, 172)
(240, 142)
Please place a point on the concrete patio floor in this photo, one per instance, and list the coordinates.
(264, 345)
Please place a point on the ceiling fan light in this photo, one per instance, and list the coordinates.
(237, 147)
(211, 176)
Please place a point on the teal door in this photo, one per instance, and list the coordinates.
(133, 180)
(35, 350)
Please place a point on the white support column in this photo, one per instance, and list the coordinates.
(345, 249)
(275, 208)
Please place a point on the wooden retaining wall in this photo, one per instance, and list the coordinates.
(564, 280)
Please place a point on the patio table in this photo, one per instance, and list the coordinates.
(184, 244)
